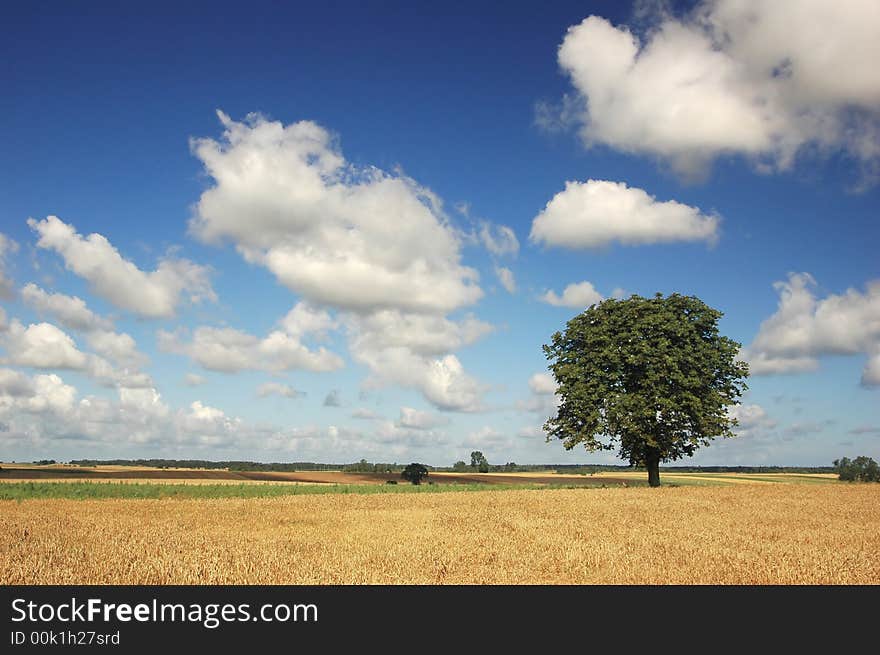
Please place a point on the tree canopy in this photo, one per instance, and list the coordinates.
(860, 469)
(650, 376)
(414, 472)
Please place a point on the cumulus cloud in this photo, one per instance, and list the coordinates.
(542, 398)
(576, 295)
(7, 286)
(421, 334)
(154, 294)
(412, 350)
(70, 311)
(750, 419)
(278, 389)
(230, 350)
(499, 240)
(46, 346)
(42, 345)
(542, 384)
(596, 213)
(419, 420)
(355, 238)
(51, 410)
(805, 328)
(489, 439)
(332, 399)
(375, 246)
(506, 278)
(747, 77)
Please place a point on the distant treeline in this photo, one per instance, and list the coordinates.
(364, 466)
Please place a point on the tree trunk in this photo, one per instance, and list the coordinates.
(652, 462)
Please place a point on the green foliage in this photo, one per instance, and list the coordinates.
(860, 469)
(415, 473)
(479, 462)
(459, 467)
(649, 376)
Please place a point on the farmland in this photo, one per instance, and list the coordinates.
(716, 530)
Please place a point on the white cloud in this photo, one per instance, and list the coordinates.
(356, 239)
(760, 79)
(419, 420)
(412, 350)
(15, 384)
(506, 278)
(193, 380)
(277, 389)
(375, 246)
(597, 213)
(154, 294)
(499, 240)
(46, 346)
(752, 419)
(70, 311)
(42, 345)
(230, 350)
(542, 399)
(805, 328)
(7, 286)
(489, 439)
(118, 347)
(542, 384)
(332, 399)
(579, 296)
(423, 334)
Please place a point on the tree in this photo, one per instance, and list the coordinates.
(860, 469)
(459, 466)
(414, 473)
(479, 462)
(650, 376)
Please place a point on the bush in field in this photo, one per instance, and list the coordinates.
(414, 473)
(860, 469)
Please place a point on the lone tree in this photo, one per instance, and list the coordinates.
(479, 461)
(650, 375)
(414, 473)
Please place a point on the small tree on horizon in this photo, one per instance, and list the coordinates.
(479, 462)
(650, 376)
(414, 473)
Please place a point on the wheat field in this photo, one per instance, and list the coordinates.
(745, 534)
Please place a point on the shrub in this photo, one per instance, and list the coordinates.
(860, 469)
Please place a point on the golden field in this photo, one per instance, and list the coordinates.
(738, 534)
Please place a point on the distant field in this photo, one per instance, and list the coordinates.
(758, 533)
(217, 477)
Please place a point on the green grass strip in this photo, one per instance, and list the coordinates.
(102, 490)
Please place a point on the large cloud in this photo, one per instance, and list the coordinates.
(597, 213)
(46, 346)
(357, 239)
(231, 350)
(70, 311)
(761, 79)
(153, 294)
(374, 246)
(805, 328)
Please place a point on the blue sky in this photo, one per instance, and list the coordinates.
(325, 233)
